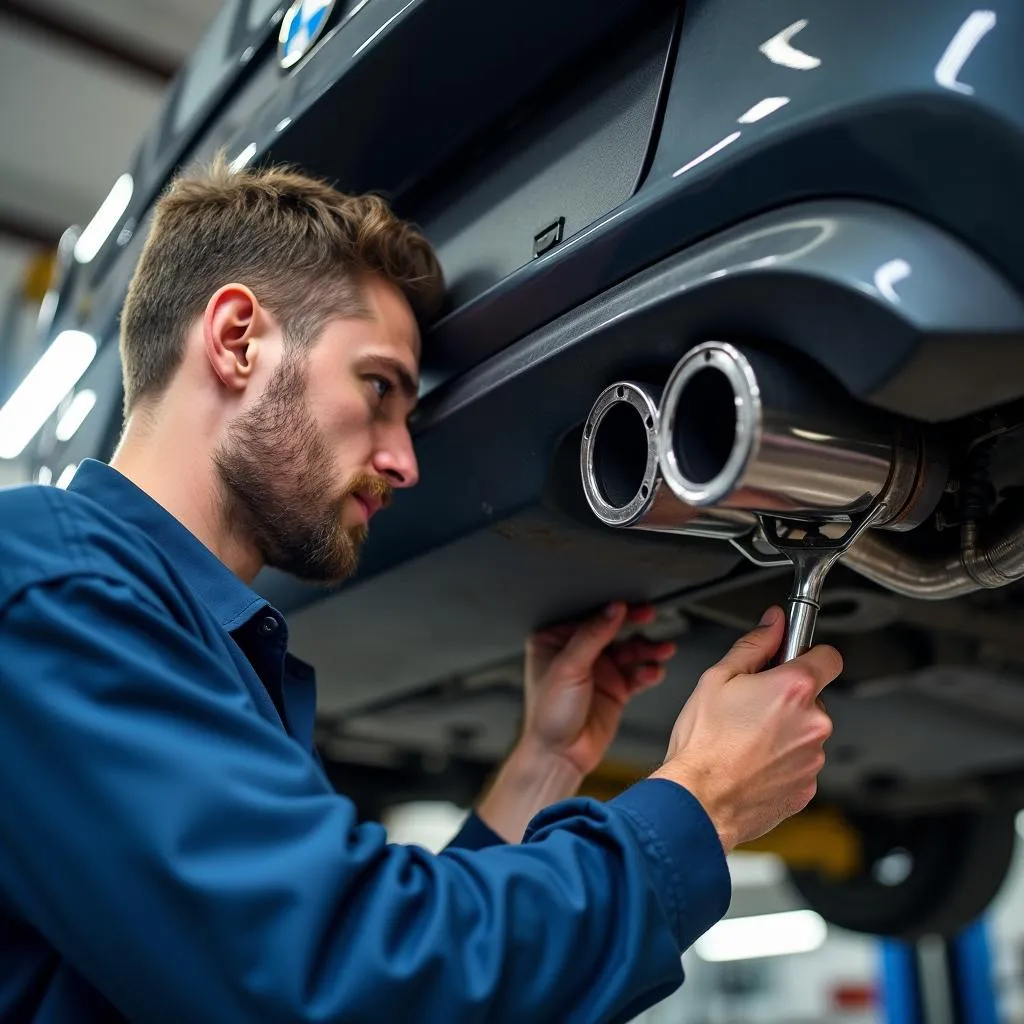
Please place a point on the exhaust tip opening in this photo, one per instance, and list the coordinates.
(620, 455)
(704, 427)
(708, 428)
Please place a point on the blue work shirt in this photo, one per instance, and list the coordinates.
(172, 850)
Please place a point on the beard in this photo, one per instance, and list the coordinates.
(276, 473)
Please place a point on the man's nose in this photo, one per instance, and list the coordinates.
(396, 462)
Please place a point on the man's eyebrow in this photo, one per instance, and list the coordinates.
(406, 381)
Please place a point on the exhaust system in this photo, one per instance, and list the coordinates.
(736, 443)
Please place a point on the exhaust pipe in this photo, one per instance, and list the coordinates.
(739, 430)
(622, 477)
(976, 565)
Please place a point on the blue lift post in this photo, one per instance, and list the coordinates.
(901, 988)
(971, 962)
(961, 981)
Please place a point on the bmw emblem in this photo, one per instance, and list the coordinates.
(301, 27)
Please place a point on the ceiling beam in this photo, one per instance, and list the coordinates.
(90, 39)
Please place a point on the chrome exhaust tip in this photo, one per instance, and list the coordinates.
(621, 471)
(710, 424)
(740, 429)
(619, 454)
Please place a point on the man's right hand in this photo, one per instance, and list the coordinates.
(749, 744)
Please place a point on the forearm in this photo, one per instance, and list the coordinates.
(268, 896)
(529, 780)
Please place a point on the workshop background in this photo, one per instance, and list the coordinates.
(81, 81)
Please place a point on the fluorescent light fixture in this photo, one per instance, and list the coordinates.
(763, 108)
(105, 220)
(44, 476)
(976, 26)
(66, 476)
(747, 938)
(243, 158)
(709, 152)
(80, 407)
(779, 49)
(888, 275)
(59, 369)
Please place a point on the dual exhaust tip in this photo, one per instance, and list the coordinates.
(622, 475)
(735, 433)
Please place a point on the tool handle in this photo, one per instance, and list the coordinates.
(801, 618)
(812, 558)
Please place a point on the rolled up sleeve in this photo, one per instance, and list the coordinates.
(193, 862)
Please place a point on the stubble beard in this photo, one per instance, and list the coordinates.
(276, 473)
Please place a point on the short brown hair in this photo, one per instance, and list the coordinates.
(299, 244)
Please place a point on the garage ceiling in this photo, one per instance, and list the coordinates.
(81, 81)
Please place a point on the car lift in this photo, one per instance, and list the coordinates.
(939, 981)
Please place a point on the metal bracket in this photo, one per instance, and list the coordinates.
(813, 554)
(755, 548)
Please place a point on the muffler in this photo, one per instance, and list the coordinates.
(622, 477)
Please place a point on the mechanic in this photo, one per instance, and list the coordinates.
(172, 849)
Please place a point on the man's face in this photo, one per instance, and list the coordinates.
(308, 464)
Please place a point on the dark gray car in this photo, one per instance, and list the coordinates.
(789, 238)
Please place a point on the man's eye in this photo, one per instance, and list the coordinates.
(381, 385)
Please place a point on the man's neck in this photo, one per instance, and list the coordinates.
(177, 471)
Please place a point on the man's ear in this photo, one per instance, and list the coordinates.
(232, 325)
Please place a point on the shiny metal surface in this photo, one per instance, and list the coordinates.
(741, 430)
(713, 523)
(813, 555)
(919, 475)
(976, 566)
(619, 456)
(621, 475)
(893, 128)
(801, 618)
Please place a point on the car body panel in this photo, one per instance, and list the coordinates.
(841, 183)
(806, 278)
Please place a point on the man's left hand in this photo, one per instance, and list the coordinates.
(577, 685)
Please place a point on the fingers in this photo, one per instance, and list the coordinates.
(823, 664)
(805, 677)
(634, 652)
(811, 672)
(561, 631)
(591, 638)
(754, 650)
(640, 613)
(824, 725)
(643, 677)
(641, 663)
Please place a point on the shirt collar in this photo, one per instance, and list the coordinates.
(229, 599)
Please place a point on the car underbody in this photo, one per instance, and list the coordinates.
(839, 195)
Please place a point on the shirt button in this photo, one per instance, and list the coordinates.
(269, 624)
